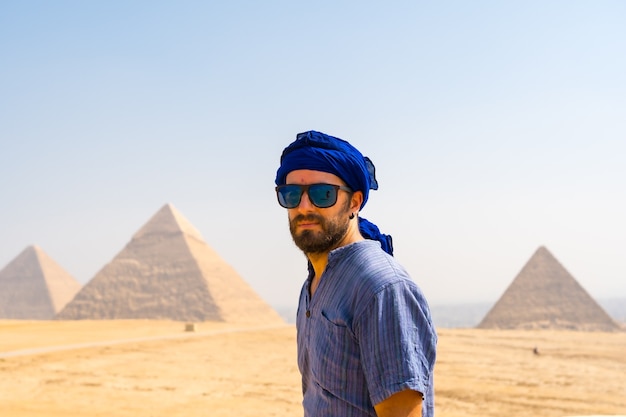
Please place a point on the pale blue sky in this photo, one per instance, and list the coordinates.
(495, 127)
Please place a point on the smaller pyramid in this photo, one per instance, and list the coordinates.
(168, 271)
(34, 287)
(545, 296)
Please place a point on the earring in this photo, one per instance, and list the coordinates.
(351, 216)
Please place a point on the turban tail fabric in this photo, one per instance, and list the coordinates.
(320, 152)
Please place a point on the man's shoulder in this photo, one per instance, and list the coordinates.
(363, 253)
(366, 268)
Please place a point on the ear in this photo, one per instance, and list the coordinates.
(356, 201)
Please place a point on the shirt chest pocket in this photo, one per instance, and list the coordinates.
(335, 355)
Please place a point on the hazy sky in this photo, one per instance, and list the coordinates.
(495, 127)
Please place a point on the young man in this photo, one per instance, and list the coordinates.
(366, 342)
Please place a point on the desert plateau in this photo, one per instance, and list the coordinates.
(144, 368)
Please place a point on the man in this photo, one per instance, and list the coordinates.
(366, 342)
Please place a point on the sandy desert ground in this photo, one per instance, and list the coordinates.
(156, 368)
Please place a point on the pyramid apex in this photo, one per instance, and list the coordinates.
(37, 252)
(543, 254)
(168, 220)
(167, 208)
(32, 251)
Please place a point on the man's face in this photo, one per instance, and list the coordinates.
(314, 229)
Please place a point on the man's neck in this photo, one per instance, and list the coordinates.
(319, 260)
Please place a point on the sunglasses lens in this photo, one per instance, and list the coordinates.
(289, 195)
(320, 195)
(323, 195)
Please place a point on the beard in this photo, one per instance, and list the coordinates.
(333, 230)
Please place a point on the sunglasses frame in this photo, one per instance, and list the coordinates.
(305, 188)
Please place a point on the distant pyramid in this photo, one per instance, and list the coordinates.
(545, 296)
(34, 287)
(167, 271)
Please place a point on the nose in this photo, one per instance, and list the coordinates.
(305, 203)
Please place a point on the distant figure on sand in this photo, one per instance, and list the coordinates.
(536, 350)
(366, 341)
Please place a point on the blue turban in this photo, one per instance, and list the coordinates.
(320, 152)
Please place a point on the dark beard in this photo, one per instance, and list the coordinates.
(309, 241)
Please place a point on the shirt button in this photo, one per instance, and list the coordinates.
(308, 314)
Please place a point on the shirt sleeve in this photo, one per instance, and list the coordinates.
(397, 341)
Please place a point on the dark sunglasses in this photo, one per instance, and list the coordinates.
(320, 195)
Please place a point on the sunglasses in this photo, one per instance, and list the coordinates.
(320, 195)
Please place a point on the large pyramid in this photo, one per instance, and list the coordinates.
(545, 296)
(34, 287)
(167, 271)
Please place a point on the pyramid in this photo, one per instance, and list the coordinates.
(168, 271)
(34, 287)
(545, 296)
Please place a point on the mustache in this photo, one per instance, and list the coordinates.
(307, 217)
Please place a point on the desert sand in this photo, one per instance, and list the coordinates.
(155, 368)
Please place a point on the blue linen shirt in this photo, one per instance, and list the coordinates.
(366, 334)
